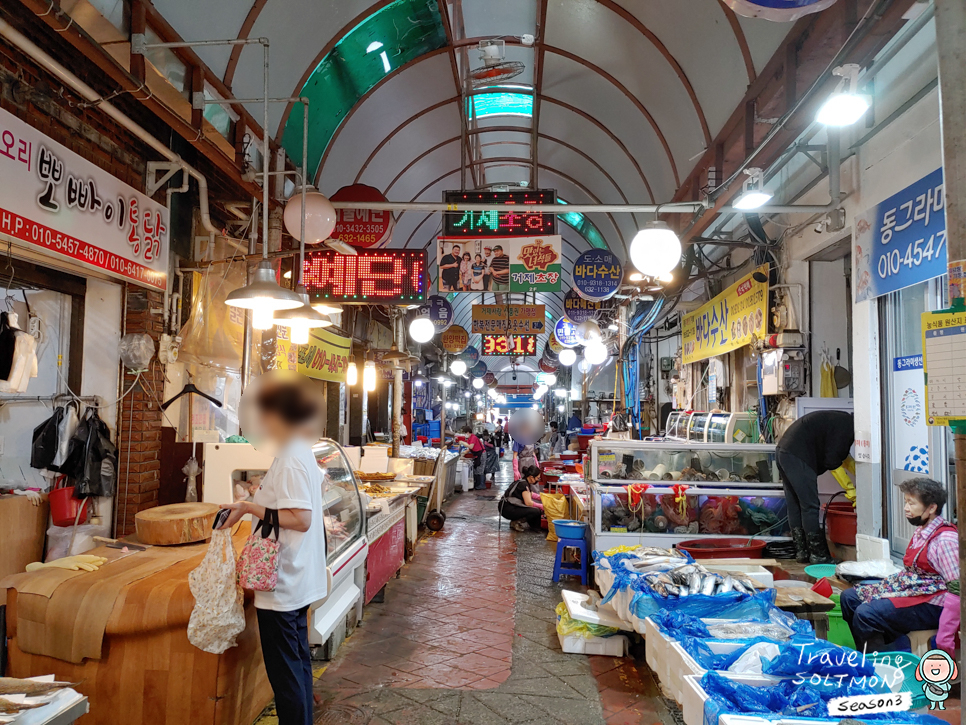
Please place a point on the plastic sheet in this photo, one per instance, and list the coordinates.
(136, 350)
(783, 700)
(732, 605)
(566, 626)
(703, 654)
(678, 624)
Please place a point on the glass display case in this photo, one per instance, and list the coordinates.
(677, 425)
(340, 498)
(732, 428)
(698, 427)
(658, 493)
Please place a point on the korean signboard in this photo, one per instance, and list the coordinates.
(455, 339)
(509, 319)
(597, 274)
(731, 320)
(909, 432)
(577, 309)
(513, 345)
(499, 264)
(565, 333)
(362, 227)
(324, 357)
(516, 220)
(902, 240)
(439, 311)
(62, 204)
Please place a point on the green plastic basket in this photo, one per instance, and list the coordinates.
(907, 662)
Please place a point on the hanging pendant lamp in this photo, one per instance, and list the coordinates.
(301, 319)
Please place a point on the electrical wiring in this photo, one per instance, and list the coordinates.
(79, 399)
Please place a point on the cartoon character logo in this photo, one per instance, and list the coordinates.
(935, 671)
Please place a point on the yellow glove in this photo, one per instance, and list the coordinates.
(85, 562)
(841, 475)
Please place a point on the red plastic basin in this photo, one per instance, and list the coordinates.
(723, 548)
(841, 522)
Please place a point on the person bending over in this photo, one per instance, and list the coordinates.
(517, 504)
(813, 444)
(881, 614)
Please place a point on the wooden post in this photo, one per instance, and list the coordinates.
(951, 46)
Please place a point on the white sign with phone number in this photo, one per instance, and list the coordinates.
(61, 203)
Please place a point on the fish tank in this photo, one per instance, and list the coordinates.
(656, 493)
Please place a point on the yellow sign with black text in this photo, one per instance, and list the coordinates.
(324, 357)
(733, 319)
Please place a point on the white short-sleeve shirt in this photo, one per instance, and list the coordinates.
(294, 481)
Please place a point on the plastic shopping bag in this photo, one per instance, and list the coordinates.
(568, 627)
(555, 506)
(219, 614)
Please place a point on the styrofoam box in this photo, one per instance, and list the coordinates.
(656, 648)
(693, 697)
(615, 646)
(759, 573)
(681, 664)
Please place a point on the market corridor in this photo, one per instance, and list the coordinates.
(467, 635)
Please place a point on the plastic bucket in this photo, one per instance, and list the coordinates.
(907, 663)
(838, 630)
(421, 503)
(569, 529)
(841, 522)
(64, 507)
(723, 548)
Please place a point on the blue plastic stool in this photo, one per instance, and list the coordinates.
(559, 567)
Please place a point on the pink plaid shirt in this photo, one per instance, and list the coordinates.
(943, 552)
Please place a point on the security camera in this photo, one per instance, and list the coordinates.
(514, 376)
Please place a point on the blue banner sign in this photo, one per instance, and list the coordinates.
(902, 240)
(910, 362)
(566, 333)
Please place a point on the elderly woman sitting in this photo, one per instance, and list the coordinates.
(881, 614)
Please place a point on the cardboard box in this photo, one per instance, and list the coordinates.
(23, 529)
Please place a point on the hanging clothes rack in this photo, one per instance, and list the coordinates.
(92, 399)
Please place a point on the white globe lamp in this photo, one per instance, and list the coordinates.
(478, 383)
(422, 329)
(656, 249)
(320, 217)
(567, 357)
(595, 353)
(457, 367)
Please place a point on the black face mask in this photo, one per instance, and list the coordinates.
(915, 520)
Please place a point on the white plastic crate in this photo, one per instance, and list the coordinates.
(681, 665)
(753, 571)
(615, 646)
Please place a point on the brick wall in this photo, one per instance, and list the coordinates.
(139, 449)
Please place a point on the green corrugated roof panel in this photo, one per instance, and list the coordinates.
(379, 45)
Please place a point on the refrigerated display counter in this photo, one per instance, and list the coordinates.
(659, 493)
(231, 470)
(732, 428)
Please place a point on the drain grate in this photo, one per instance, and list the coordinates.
(340, 714)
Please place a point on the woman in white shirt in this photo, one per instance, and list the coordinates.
(293, 487)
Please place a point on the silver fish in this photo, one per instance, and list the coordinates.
(727, 585)
(673, 590)
(694, 586)
(708, 584)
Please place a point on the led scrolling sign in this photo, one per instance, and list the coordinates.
(516, 345)
(515, 221)
(387, 276)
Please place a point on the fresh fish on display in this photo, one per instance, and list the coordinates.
(17, 686)
(708, 584)
(694, 586)
(739, 586)
(727, 585)
(658, 587)
(673, 590)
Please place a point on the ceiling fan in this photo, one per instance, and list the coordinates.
(495, 68)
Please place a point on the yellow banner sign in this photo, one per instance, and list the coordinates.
(509, 319)
(733, 319)
(324, 357)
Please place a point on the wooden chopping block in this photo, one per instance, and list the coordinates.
(177, 523)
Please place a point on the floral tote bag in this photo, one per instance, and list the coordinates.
(258, 562)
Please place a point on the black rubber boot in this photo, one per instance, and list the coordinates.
(818, 552)
(801, 546)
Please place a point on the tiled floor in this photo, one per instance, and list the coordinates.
(467, 635)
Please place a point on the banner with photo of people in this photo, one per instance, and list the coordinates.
(501, 264)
